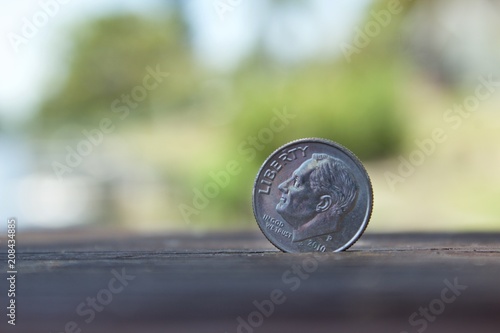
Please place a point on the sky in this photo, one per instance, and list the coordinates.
(26, 62)
(224, 32)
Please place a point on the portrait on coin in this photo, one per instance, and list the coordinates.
(317, 196)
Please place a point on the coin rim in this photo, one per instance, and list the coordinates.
(356, 161)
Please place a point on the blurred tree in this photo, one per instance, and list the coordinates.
(356, 103)
(352, 101)
(110, 56)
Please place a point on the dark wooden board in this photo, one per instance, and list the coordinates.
(204, 282)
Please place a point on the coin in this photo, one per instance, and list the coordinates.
(312, 195)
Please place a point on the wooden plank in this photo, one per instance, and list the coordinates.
(203, 283)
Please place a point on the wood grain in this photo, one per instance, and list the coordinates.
(204, 282)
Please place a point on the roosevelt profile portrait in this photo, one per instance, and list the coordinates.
(317, 196)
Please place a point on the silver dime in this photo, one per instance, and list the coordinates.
(312, 195)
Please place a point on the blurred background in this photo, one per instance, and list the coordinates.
(156, 115)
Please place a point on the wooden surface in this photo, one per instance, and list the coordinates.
(203, 283)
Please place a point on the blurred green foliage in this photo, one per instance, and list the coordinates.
(356, 107)
(109, 56)
(355, 104)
